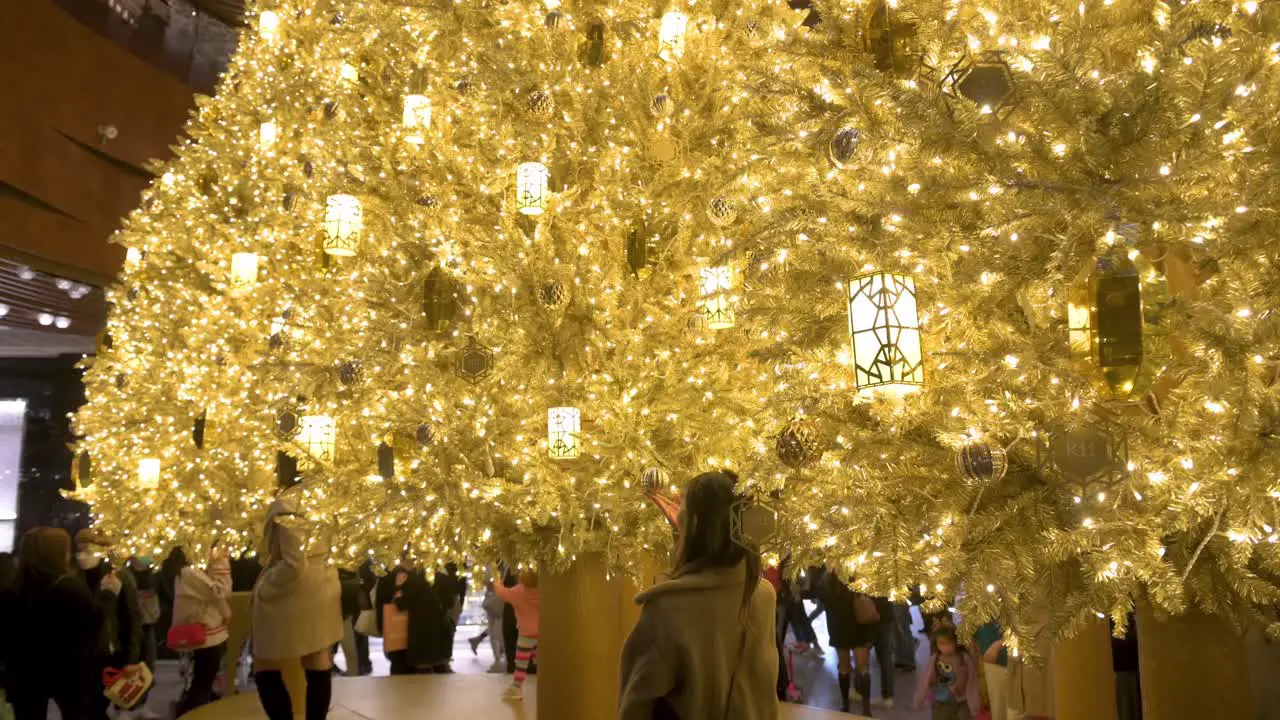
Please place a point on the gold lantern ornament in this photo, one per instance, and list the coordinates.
(318, 435)
(884, 333)
(532, 192)
(269, 26)
(564, 430)
(417, 118)
(1104, 319)
(244, 271)
(671, 35)
(267, 133)
(149, 473)
(717, 300)
(343, 224)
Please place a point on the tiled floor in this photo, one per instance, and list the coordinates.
(816, 676)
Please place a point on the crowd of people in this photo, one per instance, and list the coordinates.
(710, 641)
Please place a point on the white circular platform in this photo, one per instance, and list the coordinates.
(466, 697)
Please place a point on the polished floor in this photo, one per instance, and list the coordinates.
(472, 691)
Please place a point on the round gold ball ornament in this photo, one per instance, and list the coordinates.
(654, 479)
(982, 462)
(722, 212)
(798, 444)
(540, 104)
(553, 295)
(843, 146)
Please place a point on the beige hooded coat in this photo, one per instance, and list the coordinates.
(296, 601)
(693, 642)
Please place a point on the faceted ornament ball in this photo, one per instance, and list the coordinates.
(981, 462)
(424, 434)
(722, 211)
(540, 104)
(662, 106)
(798, 444)
(350, 372)
(843, 146)
(430, 202)
(653, 479)
(553, 295)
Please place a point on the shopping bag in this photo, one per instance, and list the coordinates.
(124, 688)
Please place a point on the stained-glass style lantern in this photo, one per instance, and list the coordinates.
(269, 26)
(564, 429)
(884, 329)
(244, 271)
(717, 299)
(671, 35)
(343, 224)
(532, 192)
(417, 118)
(149, 473)
(1104, 320)
(318, 436)
(267, 133)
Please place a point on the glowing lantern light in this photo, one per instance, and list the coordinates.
(348, 74)
(531, 188)
(417, 117)
(269, 26)
(267, 132)
(564, 426)
(671, 35)
(717, 301)
(318, 436)
(884, 329)
(132, 257)
(343, 223)
(149, 473)
(244, 271)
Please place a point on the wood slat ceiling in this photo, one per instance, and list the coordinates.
(229, 11)
(22, 334)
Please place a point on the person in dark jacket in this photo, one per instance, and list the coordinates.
(120, 632)
(852, 641)
(49, 628)
(510, 634)
(430, 639)
(166, 583)
(451, 591)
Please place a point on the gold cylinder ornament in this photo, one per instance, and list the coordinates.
(564, 430)
(1104, 318)
(417, 118)
(244, 271)
(531, 188)
(149, 473)
(343, 224)
(884, 332)
(269, 26)
(671, 35)
(717, 300)
(318, 436)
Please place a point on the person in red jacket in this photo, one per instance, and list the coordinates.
(524, 598)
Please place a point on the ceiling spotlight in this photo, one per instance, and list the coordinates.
(62, 322)
(45, 319)
(62, 283)
(26, 273)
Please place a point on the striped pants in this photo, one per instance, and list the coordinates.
(526, 651)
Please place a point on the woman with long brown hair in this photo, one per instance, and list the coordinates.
(704, 645)
(49, 632)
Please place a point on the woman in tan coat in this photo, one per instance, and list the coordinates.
(297, 612)
(703, 648)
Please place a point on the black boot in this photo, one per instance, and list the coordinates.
(862, 682)
(319, 693)
(844, 693)
(273, 695)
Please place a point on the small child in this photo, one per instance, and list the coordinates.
(951, 683)
(524, 598)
